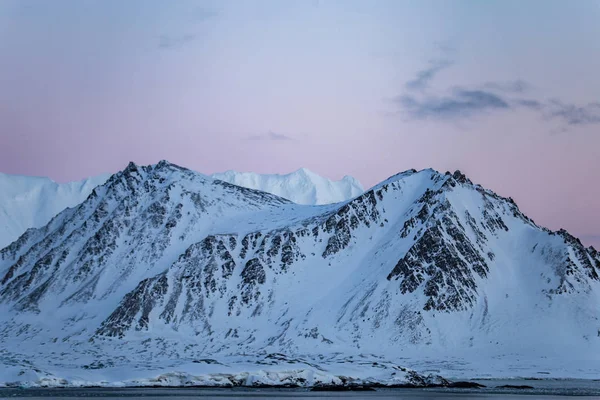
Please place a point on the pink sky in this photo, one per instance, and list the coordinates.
(508, 92)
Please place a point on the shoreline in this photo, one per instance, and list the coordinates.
(462, 384)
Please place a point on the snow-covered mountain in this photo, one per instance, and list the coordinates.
(162, 269)
(30, 202)
(301, 186)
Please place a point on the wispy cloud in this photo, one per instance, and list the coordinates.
(528, 103)
(426, 75)
(195, 16)
(421, 100)
(169, 42)
(459, 104)
(202, 14)
(270, 136)
(573, 114)
(516, 86)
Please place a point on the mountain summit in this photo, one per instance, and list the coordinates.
(301, 186)
(162, 265)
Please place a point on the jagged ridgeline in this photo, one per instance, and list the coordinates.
(161, 257)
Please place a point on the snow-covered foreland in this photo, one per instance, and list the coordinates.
(161, 269)
(30, 202)
(301, 186)
(270, 370)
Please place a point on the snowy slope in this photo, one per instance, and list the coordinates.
(30, 202)
(161, 267)
(301, 186)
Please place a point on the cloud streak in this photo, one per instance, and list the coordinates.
(516, 86)
(529, 103)
(169, 42)
(202, 14)
(460, 104)
(196, 16)
(274, 136)
(425, 76)
(573, 114)
(421, 103)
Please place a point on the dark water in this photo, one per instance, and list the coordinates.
(543, 390)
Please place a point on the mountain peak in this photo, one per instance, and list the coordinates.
(164, 164)
(131, 167)
(352, 180)
(301, 186)
(460, 177)
(304, 171)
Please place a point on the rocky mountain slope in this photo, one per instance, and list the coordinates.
(30, 202)
(301, 186)
(162, 266)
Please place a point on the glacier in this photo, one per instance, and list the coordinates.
(166, 275)
(302, 186)
(30, 202)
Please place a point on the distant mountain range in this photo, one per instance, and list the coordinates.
(30, 202)
(164, 275)
(301, 186)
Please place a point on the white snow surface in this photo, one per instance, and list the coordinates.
(30, 202)
(301, 186)
(162, 268)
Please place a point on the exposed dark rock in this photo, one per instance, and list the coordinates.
(340, 388)
(514, 387)
(465, 385)
(445, 267)
(141, 301)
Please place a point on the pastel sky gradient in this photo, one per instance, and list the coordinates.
(506, 91)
